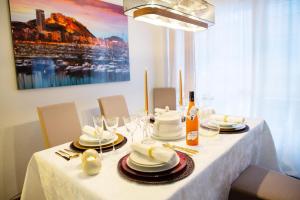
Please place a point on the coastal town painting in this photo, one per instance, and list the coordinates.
(68, 42)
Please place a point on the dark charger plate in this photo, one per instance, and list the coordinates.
(179, 172)
(246, 129)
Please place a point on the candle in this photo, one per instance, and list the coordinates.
(91, 162)
(146, 92)
(180, 88)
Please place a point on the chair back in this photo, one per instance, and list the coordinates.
(114, 106)
(163, 97)
(59, 123)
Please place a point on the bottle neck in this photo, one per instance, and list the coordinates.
(191, 104)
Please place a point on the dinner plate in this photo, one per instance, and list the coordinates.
(141, 160)
(169, 138)
(232, 128)
(104, 149)
(224, 124)
(112, 138)
(228, 126)
(154, 175)
(236, 130)
(144, 161)
(77, 145)
(179, 172)
(150, 169)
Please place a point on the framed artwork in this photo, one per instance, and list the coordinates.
(68, 42)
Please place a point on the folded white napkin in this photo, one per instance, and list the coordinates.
(160, 111)
(168, 135)
(169, 127)
(89, 131)
(156, 152)
(87, 138)
(168, 124)
(171, 118)
(227, 118)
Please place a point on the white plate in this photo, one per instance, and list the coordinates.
(224, 124)
(235, 127)
(144, 161)
(105, 141)
(169, 138)
(162, 168)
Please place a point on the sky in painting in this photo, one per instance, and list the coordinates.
(101, 18)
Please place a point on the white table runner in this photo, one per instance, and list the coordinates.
(218, 164)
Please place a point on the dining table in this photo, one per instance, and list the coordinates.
(221, 159)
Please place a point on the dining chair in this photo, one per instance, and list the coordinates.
(258, 183)
(114, 106)
(163, 97)
(59, 123)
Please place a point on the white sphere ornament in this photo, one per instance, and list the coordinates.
(91, 162)
(89, 152)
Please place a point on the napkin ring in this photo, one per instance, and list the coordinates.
(225, 118)
(150, 152)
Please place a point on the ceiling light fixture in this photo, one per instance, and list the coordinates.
(187, 15)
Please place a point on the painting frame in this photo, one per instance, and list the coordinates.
(68, 48)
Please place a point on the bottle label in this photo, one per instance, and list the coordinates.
(193, 113)
(192, 135)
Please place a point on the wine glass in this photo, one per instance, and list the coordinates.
(209, 130)
(205, 108)
(131, 125)
(111, 124)
(146, 126)
(140, 121)
(99, 129)
(183, 109)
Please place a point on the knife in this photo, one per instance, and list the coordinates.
(63, 156)
(69, 154)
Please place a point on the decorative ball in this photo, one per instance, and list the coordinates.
(89, 152)
(91, 162)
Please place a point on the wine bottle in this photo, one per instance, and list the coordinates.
(192, 122)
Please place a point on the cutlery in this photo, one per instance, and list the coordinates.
(70, 155)
(188, 150)
(72, 152)
(62, 155)
(189, 154)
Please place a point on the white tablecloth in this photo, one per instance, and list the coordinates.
(218, 164)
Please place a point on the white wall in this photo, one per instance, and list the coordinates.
(19, 129)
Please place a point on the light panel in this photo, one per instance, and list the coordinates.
(187, 15)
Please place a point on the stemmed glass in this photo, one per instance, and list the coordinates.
(131, 124)
(183, 109)
(210, 131)
(146, 129)
(111, 124)
(98, 124)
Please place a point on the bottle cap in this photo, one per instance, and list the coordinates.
(191, 95)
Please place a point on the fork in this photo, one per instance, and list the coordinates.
(70, 155)
(63, 155)
(190, 151)
(72, 151)
(171, 147)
